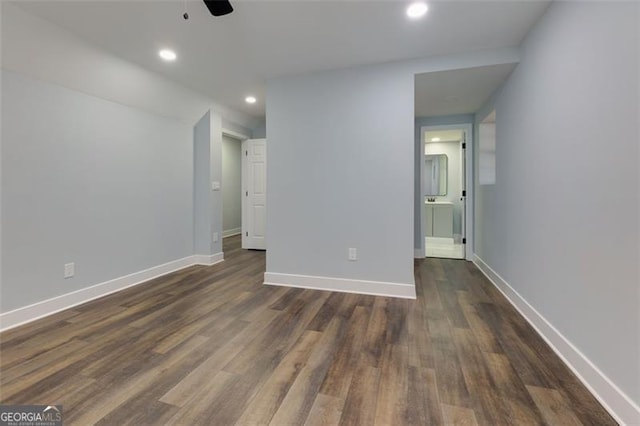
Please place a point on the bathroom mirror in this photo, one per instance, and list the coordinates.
(435, 176)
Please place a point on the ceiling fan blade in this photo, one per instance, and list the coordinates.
(218, 7)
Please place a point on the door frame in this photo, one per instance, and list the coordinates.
(234, 135)
(469, 210)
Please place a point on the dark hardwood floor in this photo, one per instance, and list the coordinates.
(213, 346)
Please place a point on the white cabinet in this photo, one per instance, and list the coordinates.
(439, 219)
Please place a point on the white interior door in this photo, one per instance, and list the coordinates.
(254, 200)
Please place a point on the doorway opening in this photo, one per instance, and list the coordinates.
(231, 183)
(444, 190)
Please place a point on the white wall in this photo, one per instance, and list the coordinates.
(454, 179)
(41, 49)
(231, 184)
(260, 131)
(340, 174)
(240, 129)
(89, 181)
(202, 196)
(97, 166)
(207, 140)
(340, 155)
(558, 226)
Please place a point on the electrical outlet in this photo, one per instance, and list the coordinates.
(215, 186)
(353, 254)
(69, 270)
(216, 237)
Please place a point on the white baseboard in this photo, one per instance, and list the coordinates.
(613, 399)
(48, 307)
(207, 260)
(344, 285)
(440, 240)
(231, 232)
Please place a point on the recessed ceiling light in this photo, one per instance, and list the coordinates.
(435, 139)
(417, 10)
(250, 99)
(167, 55)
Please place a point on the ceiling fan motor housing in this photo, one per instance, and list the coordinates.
(218, 7)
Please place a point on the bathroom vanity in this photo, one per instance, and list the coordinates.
(439, 221)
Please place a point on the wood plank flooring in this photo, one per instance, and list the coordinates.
(213, 346)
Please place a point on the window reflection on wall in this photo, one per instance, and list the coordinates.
(487, 155)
